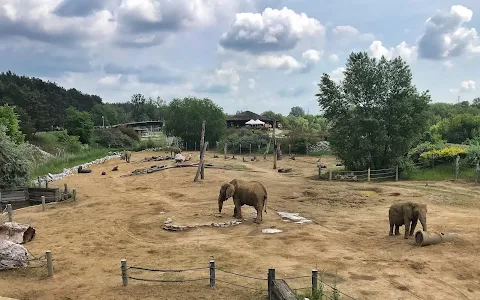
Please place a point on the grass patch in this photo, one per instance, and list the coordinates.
(68, 160)
(442, 172)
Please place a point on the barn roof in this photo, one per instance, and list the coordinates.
(247, 116)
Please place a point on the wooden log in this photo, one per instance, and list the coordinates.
(200, 165)
(12, 255)
(281, 290)
(285, 170)
(202, 154)
(17, 233)
(274, 146)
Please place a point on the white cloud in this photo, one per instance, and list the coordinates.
(222, 81)
(109, 80)
(446, 37)
(251, 83)
(286, 62)
(348, 32)
(333, 58)
(337, 74)
(272, 30)
(465, 87)
(448, 64)
(377, 50)
(468, 85)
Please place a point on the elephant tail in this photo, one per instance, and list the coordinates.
(265, 203)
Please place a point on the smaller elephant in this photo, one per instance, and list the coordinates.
(404, 213)
(251, 193)
(126, 156)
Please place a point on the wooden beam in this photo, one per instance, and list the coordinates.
(274, 146)
(201, 164)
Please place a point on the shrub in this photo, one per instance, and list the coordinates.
(113, 138)
(414, 153)
(446, 154)
(16, 161)
(245, 137)
(129, 132)
(473, 150)
(150, 144)
(69, 143)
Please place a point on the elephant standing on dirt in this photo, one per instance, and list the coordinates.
(126, 156)
(405, 212)
(251, 193)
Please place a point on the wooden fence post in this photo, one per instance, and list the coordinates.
(319, 172)
(250, 149)
(225, 150)
(240, 147)
(195, 146)
(368, 174)
(49, 263)
(396, 173)
(74, 194)
(330, 175)
(43, 203)
(124, 272)
(39, 182)
(289, 150)
(203, 149)
(274, 146)
(10, 212)
(306, 148)
(186, 146)
(212, 273)
(476, 174)
(201, 164)
(314, 282)
(271, 278)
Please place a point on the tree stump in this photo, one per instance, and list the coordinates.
(16, 233)
(12, 256)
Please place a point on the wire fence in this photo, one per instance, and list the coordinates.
(258, 284)
(364, 175)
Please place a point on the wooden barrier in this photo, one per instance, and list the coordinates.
(16, 197)
(51, 195)
(281, 290)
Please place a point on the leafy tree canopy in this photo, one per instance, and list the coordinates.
(9, 119)
(185, 116)
(16, 161)
(79, 124)
(297, 111)
(375, 113)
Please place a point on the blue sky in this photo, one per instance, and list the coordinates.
(243, 54)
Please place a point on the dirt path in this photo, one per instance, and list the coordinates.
(117, 218)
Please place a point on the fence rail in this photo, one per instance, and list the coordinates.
(212, 279)
(368, 175)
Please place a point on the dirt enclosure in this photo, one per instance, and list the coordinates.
(122, 217)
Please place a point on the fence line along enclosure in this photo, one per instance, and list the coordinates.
(276, 288)
(365, 175)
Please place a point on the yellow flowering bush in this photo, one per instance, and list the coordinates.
(443, 155)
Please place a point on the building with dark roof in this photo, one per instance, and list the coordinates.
(243, 117)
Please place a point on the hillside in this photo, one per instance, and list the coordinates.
(41, 105)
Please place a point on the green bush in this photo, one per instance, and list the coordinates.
(414, 153)
(56, 142)
(444, 155)
(150, 144)
(129, 131)
(473, 150)
(16, 162)
(245, 137)
(113, 138)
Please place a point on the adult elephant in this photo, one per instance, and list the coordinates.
(404, 213)
(251, 193)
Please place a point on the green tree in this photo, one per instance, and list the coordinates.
(9, 119)
(16, 161)
(276, 116)
(79, 124)
(184, 119)
(459, 128)
(297, 111)
(108, 112)
(375, 114)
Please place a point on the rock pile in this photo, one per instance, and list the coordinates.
(172, 227)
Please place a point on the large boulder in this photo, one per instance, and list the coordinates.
(16, 233)
(12, 256)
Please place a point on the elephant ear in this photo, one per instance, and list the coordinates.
(230, 191)
(234, 183)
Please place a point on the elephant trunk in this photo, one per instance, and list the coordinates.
(423, 221)
(220, 204)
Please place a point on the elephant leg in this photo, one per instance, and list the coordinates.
(407, 229)
(391, 229)
(235, 212)
(238, 209)
(397, 230)
(258, 219)
(414, 224)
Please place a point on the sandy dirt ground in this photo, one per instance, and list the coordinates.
(122, 217)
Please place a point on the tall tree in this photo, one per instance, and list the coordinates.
(9, 119)
(375, 113)
(184, 119)
(297, 111)
(79, 124)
